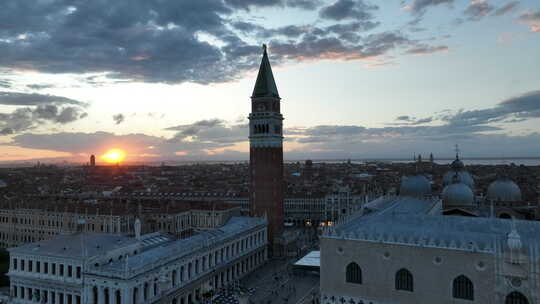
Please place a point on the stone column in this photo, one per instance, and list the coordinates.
(65, 293)
(101, 295)
(127, 295)
(57, 296)
(49, 297)
(88, 294)
(111, 296)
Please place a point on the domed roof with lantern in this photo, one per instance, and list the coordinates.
(457, 194)
(457, 167)
(415, 186)
(503, 189)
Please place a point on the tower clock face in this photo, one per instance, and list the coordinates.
(261, 107)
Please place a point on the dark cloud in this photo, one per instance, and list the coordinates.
(40, 86)
(419, 6)
(175, 41)
(215, 131)
(304, 4)
(531, 18)
(247, 4)
(408, 120)
(349, 32)
(34, 99)
(118, 118)
(5, 83)
(478, 9)
(523, 106)
(403, 118)
(23, 119)
(426, 49)
(250, 4)
(147, 40)
(507, 8)
(348, 9)
(6, 131)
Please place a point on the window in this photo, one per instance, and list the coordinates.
(61, 269)
(46, 268)
(70, 271)
(354, 273)
(38, 266)
(15, 264)
(404, 280)
(516, 298)
(463, 288)
(78, 272)
(30, 265)
(53, 266)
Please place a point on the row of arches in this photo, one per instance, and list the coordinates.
(260, 129)
(462, 286)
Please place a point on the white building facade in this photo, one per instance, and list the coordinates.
(99, 268)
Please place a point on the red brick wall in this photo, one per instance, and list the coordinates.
(266, 172)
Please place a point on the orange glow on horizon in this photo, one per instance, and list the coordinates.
(114, 156)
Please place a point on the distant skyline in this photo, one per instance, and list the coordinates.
(171, 80)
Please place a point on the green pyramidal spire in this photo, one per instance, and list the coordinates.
(265, 85)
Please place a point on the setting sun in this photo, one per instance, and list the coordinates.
(114, 156)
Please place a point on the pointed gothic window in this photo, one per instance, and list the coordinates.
(516, 298)
(354, 273)
(463, 288)
(404, 280)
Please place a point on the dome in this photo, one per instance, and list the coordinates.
(415, 186)
(503, 189)
(464, 177)
(457, 165)
(457, 194)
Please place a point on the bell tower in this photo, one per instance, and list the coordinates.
(266, 151)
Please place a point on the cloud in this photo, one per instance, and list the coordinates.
(426, 49)
(214, 131)
(507, 8)
(332, 48)
(478, 9)
(409, 120)
(118, 118)
(420, 6)
(27, 118)
(249, 4)
(531, 18)
(34, 99)
(481, 132)
(5, 83)
(40, 86)
(176, 41)
(523, 106)
(348, 9)
(138, 146)
(403, 118)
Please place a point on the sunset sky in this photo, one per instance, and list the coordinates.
(171, 80)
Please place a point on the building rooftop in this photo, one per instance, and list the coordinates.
(452, 232)
(175, 249)
(78, 245)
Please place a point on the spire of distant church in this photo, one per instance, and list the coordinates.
(265, 85)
